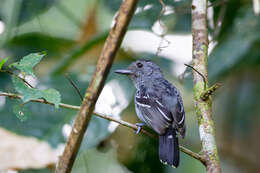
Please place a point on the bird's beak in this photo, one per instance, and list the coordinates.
(124, 71)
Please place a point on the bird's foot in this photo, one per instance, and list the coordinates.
(139, 125)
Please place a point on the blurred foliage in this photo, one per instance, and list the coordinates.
(2, 62)
(21, 112)
(243, 41)
(29, 9)
(92, 159)
(149, 10)
(46, 170)
(73, 32)
(147, 154)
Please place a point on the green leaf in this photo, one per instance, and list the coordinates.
(28, 93)
(2, 62)
(46, 122)
(21, 112)
(27, 63)
(51, 95)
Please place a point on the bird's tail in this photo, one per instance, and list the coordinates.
(169, 148)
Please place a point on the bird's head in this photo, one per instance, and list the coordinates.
(142, 72)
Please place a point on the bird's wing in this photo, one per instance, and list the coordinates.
(179, 116)
(172, 99)
(153, 112)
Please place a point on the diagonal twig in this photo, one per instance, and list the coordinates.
(103, 66)
(74, 85)
(203, 77)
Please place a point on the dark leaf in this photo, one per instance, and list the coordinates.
(2, 62)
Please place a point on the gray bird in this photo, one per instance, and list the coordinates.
(159, 105)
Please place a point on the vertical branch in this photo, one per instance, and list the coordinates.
(102, 69)
(203, 108)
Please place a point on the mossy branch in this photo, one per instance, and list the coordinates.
(203, 107)
(209, 91)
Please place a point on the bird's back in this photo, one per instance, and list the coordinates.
(160, 106)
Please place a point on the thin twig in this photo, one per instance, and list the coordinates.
(162, 10)
(203, 77)
(74, 86)
(194, 155)
(164, 28)
(160, 47)
(110, 118)
(11, 73)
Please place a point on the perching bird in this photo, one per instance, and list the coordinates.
(159, 105)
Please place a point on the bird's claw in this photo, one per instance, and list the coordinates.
(139, 127)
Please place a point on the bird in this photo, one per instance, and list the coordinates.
(159, 105)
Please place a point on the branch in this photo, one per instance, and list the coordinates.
(103, 66)
(119, 121)
(11, 73)
(205, 94)
(203, 77)
(74, 86)
(203, 108)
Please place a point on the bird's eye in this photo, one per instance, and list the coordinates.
(139, 65)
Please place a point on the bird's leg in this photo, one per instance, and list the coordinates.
(139, 125)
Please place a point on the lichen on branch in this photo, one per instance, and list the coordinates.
(203, 107)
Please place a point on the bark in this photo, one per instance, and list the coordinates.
(203, 107)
